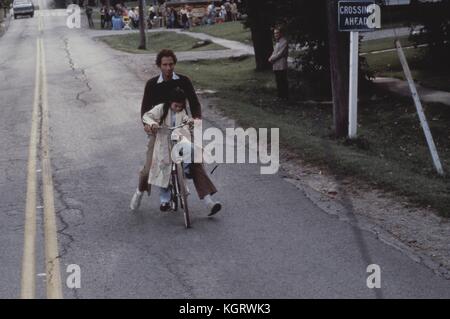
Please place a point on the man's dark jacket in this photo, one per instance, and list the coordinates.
(156, 93)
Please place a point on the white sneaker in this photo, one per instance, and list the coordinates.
(214, 208)
(136, 200)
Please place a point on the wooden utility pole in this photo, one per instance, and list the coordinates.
(142, 42)
(339, 69)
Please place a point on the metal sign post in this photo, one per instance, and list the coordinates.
(353, 85)
(419, 108)
(355, 16)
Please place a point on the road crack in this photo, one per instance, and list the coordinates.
(82, 77)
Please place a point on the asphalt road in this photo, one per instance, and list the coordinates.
(270, 241)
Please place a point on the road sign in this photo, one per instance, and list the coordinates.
(355, 16)
(358, 15)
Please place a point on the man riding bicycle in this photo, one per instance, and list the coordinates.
(157, 92)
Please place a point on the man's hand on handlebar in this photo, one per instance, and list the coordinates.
(196, 122)
(191, 123)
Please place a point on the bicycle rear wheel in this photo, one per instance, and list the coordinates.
(183, 194)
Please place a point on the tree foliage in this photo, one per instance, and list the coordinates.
(5, 3)
(434, 19)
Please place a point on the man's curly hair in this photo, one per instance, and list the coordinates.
(165, 53)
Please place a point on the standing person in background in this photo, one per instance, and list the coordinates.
(108, 18)
(89, 17)
(183, 13)
(151, 12)
(163, 15)
(102, 17)
(190, 16)
(176, 18)
(228, 11)
(234, 11)
(172, 17)
(132, 17)
(136, 18)
(279, 60)
(211, 13)
(222, 14)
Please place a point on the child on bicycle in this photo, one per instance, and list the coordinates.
(171, 114)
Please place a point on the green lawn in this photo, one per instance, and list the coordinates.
(156, 42)
(230, 30)
(387, 64)
(384, 44)
(390, 152)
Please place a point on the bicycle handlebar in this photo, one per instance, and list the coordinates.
(172, 128)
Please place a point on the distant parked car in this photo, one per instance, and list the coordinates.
(23, 7)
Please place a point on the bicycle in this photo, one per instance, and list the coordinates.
(177, 183)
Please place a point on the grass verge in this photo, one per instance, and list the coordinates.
(390, 152)
(157, 41)
(230, 30)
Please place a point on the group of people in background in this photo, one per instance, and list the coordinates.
(120, 17)
(185, 17)
(224, 12)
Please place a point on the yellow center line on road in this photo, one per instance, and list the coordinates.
(54, 288)
(28, 259)
(53, 274)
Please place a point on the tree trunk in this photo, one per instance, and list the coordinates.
(262, 42)
(339, 70)
(261, 33)
(142, 44)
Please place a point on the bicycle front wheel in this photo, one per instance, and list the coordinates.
(174, 191)
(183, 194)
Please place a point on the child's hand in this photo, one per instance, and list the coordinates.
(147, 129)
(154, 128)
